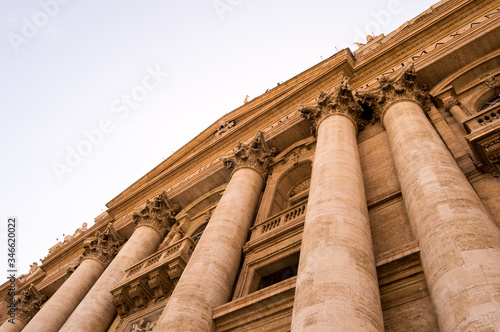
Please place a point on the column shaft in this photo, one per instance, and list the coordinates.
(60, 306)
(9, 327)
(459, 243)
(96, 312)
(458, 113)
(337, 287)
(210, 273)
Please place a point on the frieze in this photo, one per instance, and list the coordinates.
(291, 107)
(427, 49)
(256, 154)
(159, 213)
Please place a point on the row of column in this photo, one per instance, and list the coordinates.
(84, 301)
(337, 287)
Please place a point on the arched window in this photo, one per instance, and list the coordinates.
(292, 188)
(492, 102)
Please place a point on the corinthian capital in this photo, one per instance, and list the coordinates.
(340, 101)
(28, 303)
(256, 155)
(403, 87)
(103, 246)
(159, 213)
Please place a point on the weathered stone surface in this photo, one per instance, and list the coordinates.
(459, 241)
(209, 276)
(337, 285)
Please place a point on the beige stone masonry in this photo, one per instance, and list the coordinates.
(96, 311)
(460, 245)
(337, 288)
(99, 251)
(209, 276)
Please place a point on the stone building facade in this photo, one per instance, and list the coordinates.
(360, 195)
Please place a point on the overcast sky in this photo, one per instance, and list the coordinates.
(94, 94)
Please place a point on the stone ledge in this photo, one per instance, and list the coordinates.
(271, 306)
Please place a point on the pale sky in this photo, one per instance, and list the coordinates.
(95, 94)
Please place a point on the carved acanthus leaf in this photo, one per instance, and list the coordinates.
(256, 155)
(340, 101)
(158, 213)
(28, 303)
(450, 102)
(103, 246)
(402, 87)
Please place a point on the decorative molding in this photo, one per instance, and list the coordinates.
(256, 155)
(450, 102)
(300, 187)
(73, 265)
(419, 52)
(102, 246)
(122, 301)
(152, 279)
(28, 303)
(159, 213)
(340, 101)
(224, 127)
(160, 284)
(492, 150)
(491, 81)
(143, 326)
(140, 294)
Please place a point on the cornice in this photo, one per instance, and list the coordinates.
(418, 41)
(249, 114)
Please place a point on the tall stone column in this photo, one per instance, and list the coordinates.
(459, 242)
(209, 276)
(99, 251)
(337, 287)
(27, 305)
(96, 311)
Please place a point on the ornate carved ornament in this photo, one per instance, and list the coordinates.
(143, 326)
(450, 102)
(28, 303)
(403, 87)
(224, 127)
(256, 155)
(158, 213)
(492, 81)
(340, 101)
(102, 246)
(492, 150)
(152, 280)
